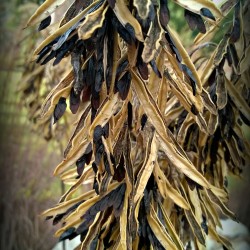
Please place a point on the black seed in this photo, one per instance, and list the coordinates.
(48, 217)
(123, 85)
(119, 201)
(228, 57)
(164, 13)
(144, 119)
(130, 115)
(207, 13)
(119, 174)
(143, 69)
(49, 45)
(60, 109)
(99, 152)
(83, 228)
(124, 33)
(130, 30)
(173, 47)
(68, 234)
(43, 53)
(190, 183)
(155, 69)
(106, 163)
(74, 101)
(96, 186)
(204, 224)
(105, 130)
(80, 163)
(235, 34)
(44, 23)
(57, 218)
(90, 73)
(190, 75)
(98, 132)
(194, 21)
(121, 68)
(49, 57)
(95, 102)
(234, 55)
(66, 48)
(194, 110)
(94, 167)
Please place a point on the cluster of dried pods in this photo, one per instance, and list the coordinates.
(34, 86)
(157, 132)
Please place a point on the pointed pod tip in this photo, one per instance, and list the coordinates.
(27, 24)
(36, 51)
(56, 172)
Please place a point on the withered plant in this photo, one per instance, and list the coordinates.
(157, 129)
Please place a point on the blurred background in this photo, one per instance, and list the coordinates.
(27, 159)
(29, 151)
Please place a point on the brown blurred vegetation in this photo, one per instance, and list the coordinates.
(26, 159)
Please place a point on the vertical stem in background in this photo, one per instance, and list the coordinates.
(63, 191)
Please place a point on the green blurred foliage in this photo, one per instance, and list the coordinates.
(178, 23)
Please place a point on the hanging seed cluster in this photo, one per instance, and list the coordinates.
(157, 132)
